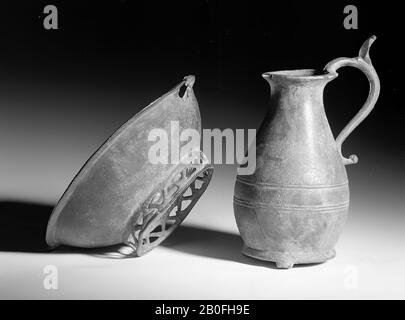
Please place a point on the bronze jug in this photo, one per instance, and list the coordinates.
(292, 209)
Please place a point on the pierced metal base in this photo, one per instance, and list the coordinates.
(168, 207)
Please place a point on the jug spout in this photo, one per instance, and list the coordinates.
(302, 88)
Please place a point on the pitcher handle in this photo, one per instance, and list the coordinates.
(363, 63)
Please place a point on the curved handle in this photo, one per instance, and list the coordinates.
(363, 63)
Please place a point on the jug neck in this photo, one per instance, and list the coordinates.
(293, 89)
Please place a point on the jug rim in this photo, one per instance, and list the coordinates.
(299, 74)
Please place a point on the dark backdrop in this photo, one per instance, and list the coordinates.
(63, 92)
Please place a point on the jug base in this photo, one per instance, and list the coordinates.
(285, 260)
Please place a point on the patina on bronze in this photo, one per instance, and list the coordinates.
(119, 196)
(293, 208)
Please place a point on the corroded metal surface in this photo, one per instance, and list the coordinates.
(293, 208)
(111, 194)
